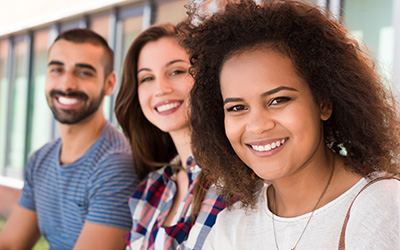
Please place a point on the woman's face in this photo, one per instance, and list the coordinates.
(164, 84)
(271, 119)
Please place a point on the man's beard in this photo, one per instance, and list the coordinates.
(69, 116)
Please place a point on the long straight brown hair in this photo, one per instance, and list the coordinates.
(151, 147)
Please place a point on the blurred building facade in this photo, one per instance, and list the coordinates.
(26, 122)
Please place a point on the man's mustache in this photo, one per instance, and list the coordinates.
(77, 94)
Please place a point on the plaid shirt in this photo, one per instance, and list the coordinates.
(152, 201)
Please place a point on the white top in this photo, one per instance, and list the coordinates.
(374, 223)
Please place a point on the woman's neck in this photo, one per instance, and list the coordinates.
(300, 194)
(182, 143)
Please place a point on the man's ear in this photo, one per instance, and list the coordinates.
(110, 83)
(326, 109)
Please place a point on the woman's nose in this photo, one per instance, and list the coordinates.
(163, 86)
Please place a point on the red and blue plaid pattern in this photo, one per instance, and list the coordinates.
(152, 201)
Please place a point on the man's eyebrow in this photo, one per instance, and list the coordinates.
(79, 65)
(84, 65)
(55, 63)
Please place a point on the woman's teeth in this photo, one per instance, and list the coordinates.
(268, 147)
(167, 107)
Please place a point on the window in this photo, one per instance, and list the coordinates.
(19, 105)
(371, 22)
(76, 23)
(171, 11)
(41, 118)
(4, 47)
(101, 25)
(129, 28)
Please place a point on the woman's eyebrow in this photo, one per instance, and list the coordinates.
(175, 61)
(276, 90)
(270, 92)
(143, 69)
(232, 99)
(169, 63)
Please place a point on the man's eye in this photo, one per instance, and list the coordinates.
(56, 70)
(236, 108)
(85, 73)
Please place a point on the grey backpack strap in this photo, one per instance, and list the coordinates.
(346, 220)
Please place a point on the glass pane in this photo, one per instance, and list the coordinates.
(317, 2)
(70, 25)
(19, 110)
(101, 26)
(4, 47)
(172, 12)
(40, 130)
(371, 22)
(131, 28)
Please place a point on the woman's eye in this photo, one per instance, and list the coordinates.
(280, 100)
(236, 108)
(146, 79)
(178, 72)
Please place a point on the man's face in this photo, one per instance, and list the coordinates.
(75, 82)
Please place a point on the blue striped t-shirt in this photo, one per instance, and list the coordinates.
(94, 188)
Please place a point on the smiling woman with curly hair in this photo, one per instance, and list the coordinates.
(290, 118)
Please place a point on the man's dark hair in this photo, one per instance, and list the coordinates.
(89, 36)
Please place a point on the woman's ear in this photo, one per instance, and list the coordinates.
(326, 109)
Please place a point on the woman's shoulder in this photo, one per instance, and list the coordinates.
(382, 183)
(238, 212)
(380, 192)
(375, 215)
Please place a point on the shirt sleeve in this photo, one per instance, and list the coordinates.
(210, 208)
(375, 218)
(109, 191)
(27, 198)
(209, 242)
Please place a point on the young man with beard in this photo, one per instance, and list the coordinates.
(76, 188)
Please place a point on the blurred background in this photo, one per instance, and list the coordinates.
(27, 28)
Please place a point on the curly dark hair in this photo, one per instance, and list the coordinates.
(337, 69)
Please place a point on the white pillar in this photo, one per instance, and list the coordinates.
(396, 57)
(335, 6)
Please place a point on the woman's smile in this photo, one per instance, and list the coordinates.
(167, 107)
(263, 146)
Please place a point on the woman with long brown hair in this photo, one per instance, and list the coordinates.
(174, 198)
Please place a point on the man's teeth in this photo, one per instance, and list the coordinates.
(67, 101)
(167, 107)
(267, 147)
